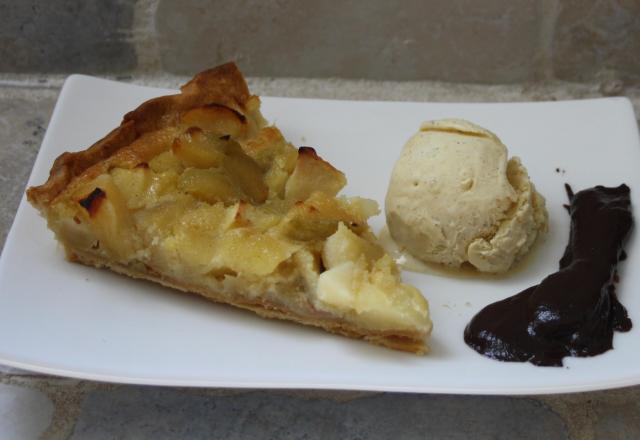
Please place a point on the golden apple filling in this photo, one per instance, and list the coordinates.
(223, 202)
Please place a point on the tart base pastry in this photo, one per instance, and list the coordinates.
(197, 192)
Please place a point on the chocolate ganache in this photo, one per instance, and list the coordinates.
(574, 311)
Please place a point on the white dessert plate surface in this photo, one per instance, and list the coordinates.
(69, 320)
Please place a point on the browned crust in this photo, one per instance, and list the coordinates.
(223, 85)
(412, 342)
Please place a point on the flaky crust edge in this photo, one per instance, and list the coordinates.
(223, 85)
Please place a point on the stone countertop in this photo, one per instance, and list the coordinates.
(34, 405)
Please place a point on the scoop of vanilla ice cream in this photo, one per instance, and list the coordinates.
(454, 198)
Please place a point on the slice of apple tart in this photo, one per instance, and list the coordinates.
(195, 191)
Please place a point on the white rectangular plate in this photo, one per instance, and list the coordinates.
(66, 319)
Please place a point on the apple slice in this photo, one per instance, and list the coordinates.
(313, 174)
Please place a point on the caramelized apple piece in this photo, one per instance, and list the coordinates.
(162, 183)
(409, 306)
(250, 252)
(216, 119)
(244, 172)
(166, 161)
(377, 294)
(254, 118)
(317, 218)
(338, 287)
(359, 207)
(305, 223)
(275, 156)
(259, 218)
(211, 185)
(197, 237)
(195, 149)
(345, 246)
(313, 174)
(266, 146)
(158, 221)
(105, 209)
(133, 184)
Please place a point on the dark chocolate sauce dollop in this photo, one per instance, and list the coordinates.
(574, 311)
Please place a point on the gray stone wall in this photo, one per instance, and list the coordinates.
(65, 36)
(488, 41)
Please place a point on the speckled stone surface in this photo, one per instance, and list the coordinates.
(191, 415)
(60, 408)
(63, 36)
(23, 119)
